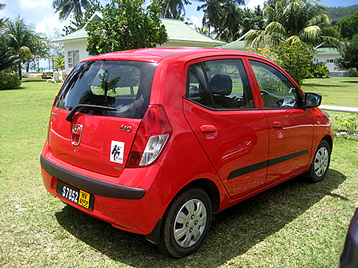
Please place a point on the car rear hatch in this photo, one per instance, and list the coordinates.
(97, 113)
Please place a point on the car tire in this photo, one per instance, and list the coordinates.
(320, 163)
(186, 223)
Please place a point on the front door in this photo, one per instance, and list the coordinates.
(290, 126)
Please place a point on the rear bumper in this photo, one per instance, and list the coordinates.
(132, 209)
(94, 186)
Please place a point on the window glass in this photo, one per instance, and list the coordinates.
(276, 90)
(73, 58)
(124, 86)
(197, 87)
(221, 84)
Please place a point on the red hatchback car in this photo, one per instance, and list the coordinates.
(157, 141)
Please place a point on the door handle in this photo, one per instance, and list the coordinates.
(207, 128)
(277, 124)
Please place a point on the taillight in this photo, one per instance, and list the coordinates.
(153, 133)
(49, 123)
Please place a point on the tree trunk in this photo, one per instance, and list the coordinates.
(20, 74)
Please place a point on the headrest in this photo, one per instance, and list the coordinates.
(221, 84)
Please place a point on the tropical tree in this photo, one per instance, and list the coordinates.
(7, 59)
(349, 52)
(173, 9)
(59, 63)
(213, 10)
(349, 26)
(224, 16)
(78, 21)
(294, 21)
(126, 24)
(251, 20)
(231, 19)
(66, 7)
(24, 41)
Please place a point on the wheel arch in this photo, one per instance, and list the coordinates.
(207, 185)
(210, 188)
(328, 139)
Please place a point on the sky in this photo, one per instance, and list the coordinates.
(41, 15)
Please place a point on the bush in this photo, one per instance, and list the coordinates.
(9, 80)
(348, 122)
(353, 72)
(318, 70)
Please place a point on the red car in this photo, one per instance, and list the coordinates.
(157, 141)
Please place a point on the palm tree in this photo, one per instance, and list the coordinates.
(223, 16)
(173, 9)
(213, 10)
(231, 20)
(24, 41)
(251, 20)
(66, 7)
(294, 21)
(7, 59)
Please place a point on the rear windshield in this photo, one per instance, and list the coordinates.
(122, 85)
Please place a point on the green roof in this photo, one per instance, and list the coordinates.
(179, 31)
(236, 45)
(78, 35)
(327, 50)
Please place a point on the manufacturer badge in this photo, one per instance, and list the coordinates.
(76, 134)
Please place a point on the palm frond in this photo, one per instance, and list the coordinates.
(311, 34)
(275, 28)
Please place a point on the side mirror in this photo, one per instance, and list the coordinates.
(312, 100)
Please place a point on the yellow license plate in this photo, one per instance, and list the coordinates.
(84, 199)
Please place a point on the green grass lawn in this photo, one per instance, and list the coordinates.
(296, 224)
(341, 91)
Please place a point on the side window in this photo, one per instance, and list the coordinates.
(197, 89)
(276, 90)
(220, 84)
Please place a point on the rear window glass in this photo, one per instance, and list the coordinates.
(122, 85)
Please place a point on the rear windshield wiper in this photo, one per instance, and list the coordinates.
(88, 106)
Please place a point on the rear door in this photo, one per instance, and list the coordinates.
(290, 126)
(220, 108)
(97, 114)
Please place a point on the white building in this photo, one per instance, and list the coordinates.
(328, 55)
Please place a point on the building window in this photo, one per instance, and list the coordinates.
(330, 60)
(73, 58)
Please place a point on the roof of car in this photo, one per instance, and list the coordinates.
(156, 54)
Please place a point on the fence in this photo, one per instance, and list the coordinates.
(339, 109)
